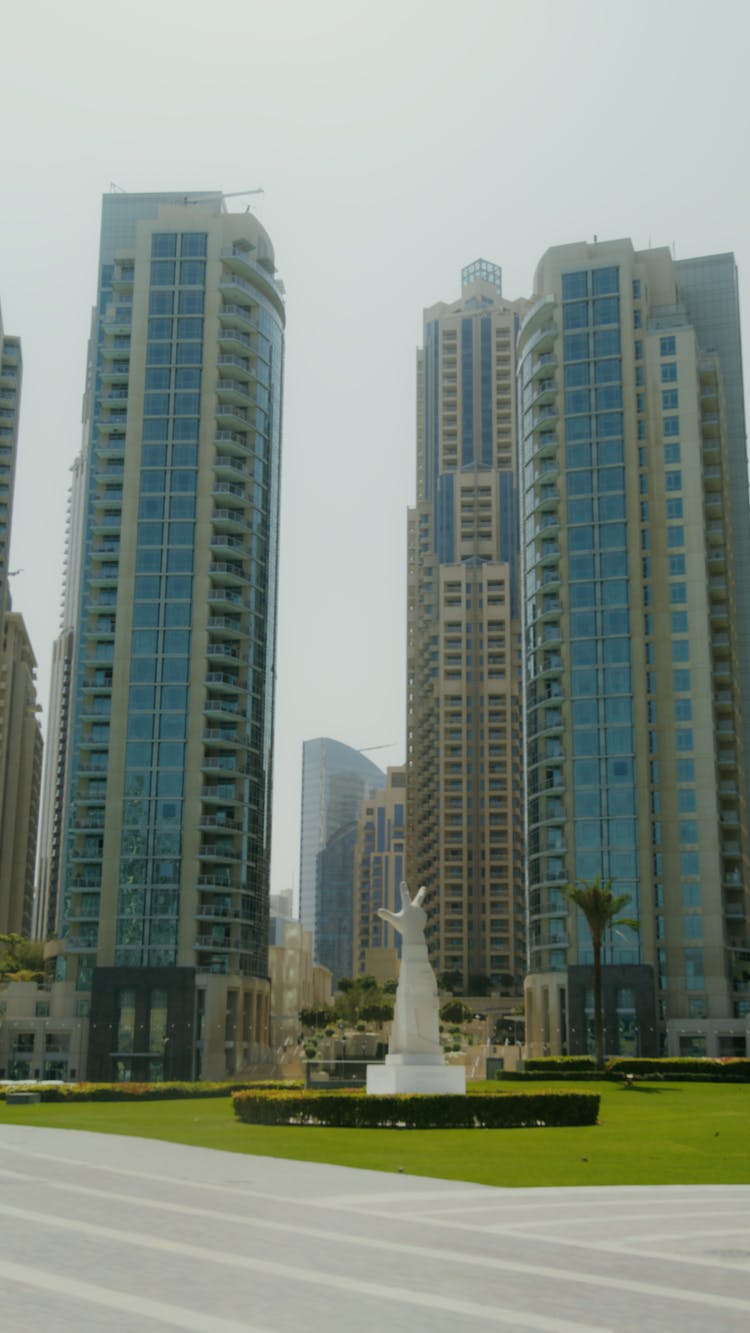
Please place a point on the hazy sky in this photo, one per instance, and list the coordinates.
(395, 142)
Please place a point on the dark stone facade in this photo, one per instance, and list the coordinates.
(105, 1063)
(616, 977)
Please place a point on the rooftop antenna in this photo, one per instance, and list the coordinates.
(114, 188)
(367, 748)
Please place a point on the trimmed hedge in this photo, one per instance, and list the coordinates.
(567, 1064)
(357, 1110)
(579, 1068)
(716, 1071)
(131, 1092)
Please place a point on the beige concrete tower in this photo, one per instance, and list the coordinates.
(11, 374)
(464, 783)
(20, 776)
(635, 763)
(378, 870)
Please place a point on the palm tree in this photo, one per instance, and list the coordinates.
(601, 908)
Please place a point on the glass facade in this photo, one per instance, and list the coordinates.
(627, 588)
(167, 839)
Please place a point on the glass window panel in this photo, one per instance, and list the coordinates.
(605, 281)
(607, 342)
(163, 245)
(574, 285)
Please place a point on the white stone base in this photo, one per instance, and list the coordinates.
(390, 1079)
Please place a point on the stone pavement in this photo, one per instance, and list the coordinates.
(132, 1235)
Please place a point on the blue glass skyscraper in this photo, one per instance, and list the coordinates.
(164, 896)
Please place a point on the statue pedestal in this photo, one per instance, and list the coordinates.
(414, 1073)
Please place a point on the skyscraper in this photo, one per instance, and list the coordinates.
(379, 861)
(335, 781)
(11, 374)
(464, 774)
(163, 911)
(20, 776)
(634, 527)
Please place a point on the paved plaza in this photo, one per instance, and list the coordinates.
(127, 1235)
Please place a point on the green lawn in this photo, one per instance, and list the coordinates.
(652, 1134)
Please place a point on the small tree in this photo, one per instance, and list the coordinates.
(452, 980)
(601, 908)
(21, 959)
(479, 984)
(455, 1011)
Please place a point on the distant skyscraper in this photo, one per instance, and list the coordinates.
(52, 822)
(163, 910)
(635, 541)
(465, 787)
(335, 781)
(379, 864)
(20, 776)
(11, 374)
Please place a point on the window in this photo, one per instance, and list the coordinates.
(673, 481)
(164, 245)
(674, 508)
(694, 969)
(667, 347)
(680, 650)
(681, 679)
(685, 770)
(669, 398)
(575, 315)
(672, 453)
(193, 243)
(574, 286)
(605, 281)
(162, 273)
(669, 372)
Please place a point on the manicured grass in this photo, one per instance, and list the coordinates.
(652, 1134)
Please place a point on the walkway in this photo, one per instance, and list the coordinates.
(132, 1235)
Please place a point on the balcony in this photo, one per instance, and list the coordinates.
(220, 821)
(218, 736)
(219, 707)
(223, 682)
(235, 392)
(228, 572)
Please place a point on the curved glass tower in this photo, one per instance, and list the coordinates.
(164, 904)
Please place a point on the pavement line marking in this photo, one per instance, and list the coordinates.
(160, 1311)
(294, 1273)
(396, 1196)
(617, 1215)
(515, 1266)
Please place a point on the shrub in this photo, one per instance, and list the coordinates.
(130, 1092)
(357, 1110)
(455, 1011)
(565, 1063)
(715, 1071)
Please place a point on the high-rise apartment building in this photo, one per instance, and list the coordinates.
(335, 781)
(464, 784)
(11, 374)
(20, 776)
(162, 914)
(635, 533)
(379, 863)
(52, 820)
